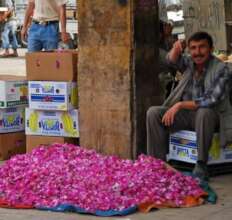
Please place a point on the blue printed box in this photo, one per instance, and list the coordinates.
(12, 120)
(55, 96)
(183, 147)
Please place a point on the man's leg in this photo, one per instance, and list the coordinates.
(157, 133)
(34, 38)
(34, 45)
(5, 39)
(13, 28)
(206, 123)
(51, 36)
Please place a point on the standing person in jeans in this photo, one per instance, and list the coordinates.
(10, 27)
(200, 102)
(44, 30)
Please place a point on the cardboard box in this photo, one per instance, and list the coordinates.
(12, 120)
(34, 141)
(71, 14)
(50, 95)
(49, 66)
(52, 123)
(12, 144)
(183, 147)
(13, 91)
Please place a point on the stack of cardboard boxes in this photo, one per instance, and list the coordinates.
(52, 116)
(13, 99)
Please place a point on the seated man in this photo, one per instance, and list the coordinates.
(195, 104)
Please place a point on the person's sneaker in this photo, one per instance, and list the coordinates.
(200, 171)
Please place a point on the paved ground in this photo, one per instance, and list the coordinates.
(221, 184)
(13, 66)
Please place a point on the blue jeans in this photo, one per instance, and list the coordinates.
(43, 37)
(9, 27)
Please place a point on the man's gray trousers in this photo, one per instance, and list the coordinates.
(204, 121)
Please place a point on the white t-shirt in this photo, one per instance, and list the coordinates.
(47, 10)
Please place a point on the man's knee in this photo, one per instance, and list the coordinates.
(154, 112)
(202, 112)
(206, 114)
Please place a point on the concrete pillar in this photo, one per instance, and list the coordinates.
(117, 73)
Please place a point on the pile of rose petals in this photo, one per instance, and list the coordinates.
(67, 174)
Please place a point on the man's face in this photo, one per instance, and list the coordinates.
(199, 51)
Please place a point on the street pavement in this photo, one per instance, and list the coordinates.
(13, 65)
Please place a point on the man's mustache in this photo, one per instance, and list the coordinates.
(198, 56)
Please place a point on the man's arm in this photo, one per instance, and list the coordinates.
(175, 58)
(176, 51)
(62, 14)
(3, 16)
(10, 10)
(7, 14)
(169, 115)
(27, 19)
(216, 92)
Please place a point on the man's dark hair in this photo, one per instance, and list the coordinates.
(201, 35)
